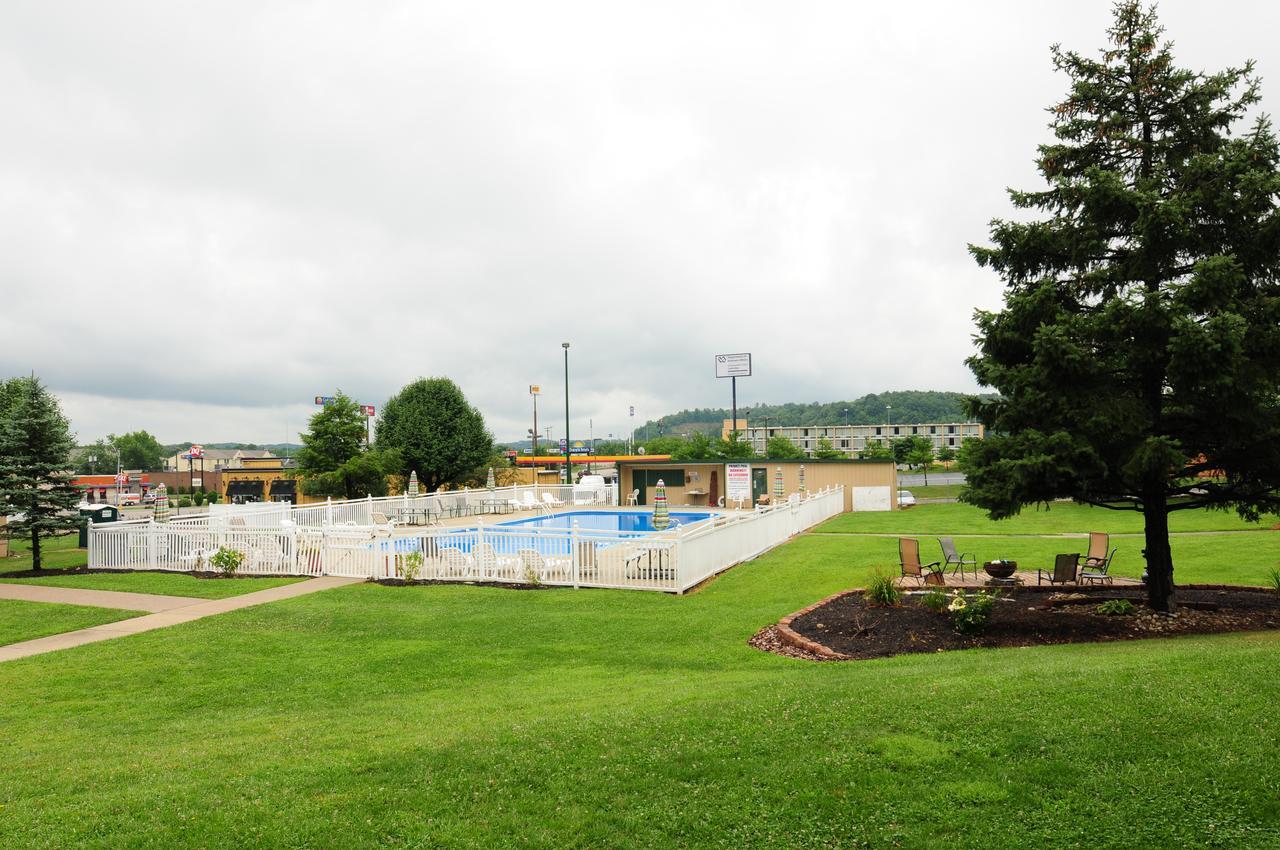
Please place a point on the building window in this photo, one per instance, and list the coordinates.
(951, 441)
(878, 432)
(933, 429)
(844, 444)
(915, 430)
(896, 430)
(951, 429)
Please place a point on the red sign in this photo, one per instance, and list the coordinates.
(196, 451)
(367, 409)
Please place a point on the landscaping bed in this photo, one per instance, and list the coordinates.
(847, 626)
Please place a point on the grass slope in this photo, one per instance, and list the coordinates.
(1057, 518)
(21, 620)
(471, 717)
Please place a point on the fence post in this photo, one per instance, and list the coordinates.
(475, 549)
(573, 553)
(328, 510)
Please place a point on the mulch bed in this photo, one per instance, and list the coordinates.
(85, 571)
(846, 627)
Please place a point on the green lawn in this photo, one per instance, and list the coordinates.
(57, 553)
(375, 716)
(1059, 517)
(28, 620)
(934, 491)
(168, 584)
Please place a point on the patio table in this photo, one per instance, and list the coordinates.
(410, 516)
(495, 506)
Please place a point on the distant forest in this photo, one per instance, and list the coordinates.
(908, 406)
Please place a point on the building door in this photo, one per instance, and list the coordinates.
(759, 483)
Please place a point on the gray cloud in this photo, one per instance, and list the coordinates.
(210, 215)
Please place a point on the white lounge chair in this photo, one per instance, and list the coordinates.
(551, 501)
(544, 568)
(528, 504)
(457, 564)
(492, 565)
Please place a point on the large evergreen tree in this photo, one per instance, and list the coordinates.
(1139, 345)
(35, 463)
(436, 432)
(334, 460)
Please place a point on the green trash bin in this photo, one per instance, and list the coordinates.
(97, 513)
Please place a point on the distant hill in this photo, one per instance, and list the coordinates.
(909, 406)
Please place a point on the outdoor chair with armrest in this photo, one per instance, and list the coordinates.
(909, 559)
(957, 561)
(634, 497)
(1097, 573)
(1065, 568)
(1098, 543)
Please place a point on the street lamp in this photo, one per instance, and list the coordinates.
(846, 417)
(568, 470)
(534, 389)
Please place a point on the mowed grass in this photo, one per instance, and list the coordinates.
(165, 584)
(1059, 517)
(56, 553)
(20, 620)
(479, 717)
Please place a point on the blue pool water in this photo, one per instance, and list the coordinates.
(638, 521)
(524, 533)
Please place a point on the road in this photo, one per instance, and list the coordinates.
(915, 479)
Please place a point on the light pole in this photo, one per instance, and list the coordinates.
(568, 470)
(534, 389)
(764, 447)
(846, 417)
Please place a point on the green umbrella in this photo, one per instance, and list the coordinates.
(661, 519)
(489, 483)
(777, 485)
(413, 482)
(802, 478)
(162, 504)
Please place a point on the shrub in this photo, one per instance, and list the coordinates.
(1273, 578)
(198, 498)
(411, 565)
(211, 497)
(227, 561)
(184, 502)
(1116, 607)
(882, 590)
(935, 600)
(969, 614)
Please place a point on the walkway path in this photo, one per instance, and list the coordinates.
(176, 609)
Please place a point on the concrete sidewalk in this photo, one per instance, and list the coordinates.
(190, 609)
(124, 600)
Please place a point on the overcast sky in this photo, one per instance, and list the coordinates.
(211, 213)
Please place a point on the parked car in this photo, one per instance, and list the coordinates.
(905, 499)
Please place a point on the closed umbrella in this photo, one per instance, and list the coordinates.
(413, 482)
(802, 489)
(777, 485)
(489, 483)
(162, 504)
(661, 519)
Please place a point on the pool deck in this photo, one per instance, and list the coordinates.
(469, 521)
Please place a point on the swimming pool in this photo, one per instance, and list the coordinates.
(634, 521)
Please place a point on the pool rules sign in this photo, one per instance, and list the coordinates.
(733, 367)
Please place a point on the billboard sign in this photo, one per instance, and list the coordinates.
(325, 400)
(196, 452)
(733, 365)
(367, 409)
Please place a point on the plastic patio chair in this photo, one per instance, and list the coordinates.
(551, 501)
(1065, 568)
(909, 559)
(634, 498)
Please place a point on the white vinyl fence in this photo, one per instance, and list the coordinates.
(673, 560)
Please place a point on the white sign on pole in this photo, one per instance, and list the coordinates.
(737, 482)
(733, 365)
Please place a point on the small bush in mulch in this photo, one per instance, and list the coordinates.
(848, 625)
(399, 582)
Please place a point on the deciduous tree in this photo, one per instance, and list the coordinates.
(435, 431)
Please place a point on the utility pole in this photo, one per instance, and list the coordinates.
(568, 467)
(534, 389)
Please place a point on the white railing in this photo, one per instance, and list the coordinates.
(673, 560)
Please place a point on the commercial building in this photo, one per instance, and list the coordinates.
(213, 460)
(870, 485)
(850, 439)
(261, 479)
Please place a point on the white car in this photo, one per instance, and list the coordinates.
(905, 499)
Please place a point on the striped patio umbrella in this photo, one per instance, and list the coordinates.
(162, 504)
(802, 488)
(777, 485)
(413, 482)
(661, 519)
(489, 483)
